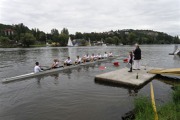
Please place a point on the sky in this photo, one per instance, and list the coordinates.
(93, 15)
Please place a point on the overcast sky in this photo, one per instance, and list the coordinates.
(93, 15)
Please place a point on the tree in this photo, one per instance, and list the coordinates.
(109, 40)
(79, 35)
(55, 35)
(54, 32)
(131, 38)
(20, 29)
(65, 31)
(63, 39)
(27, 39)
(4, 41)
(116, 40)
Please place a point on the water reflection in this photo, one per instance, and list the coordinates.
(133, 92)
(38, 79)
(68, 72)
(56, 78)
(170, 80)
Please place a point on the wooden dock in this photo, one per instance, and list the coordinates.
(124, 78)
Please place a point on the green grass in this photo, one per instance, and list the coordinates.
(143, 109)
(168, 111)
(38, 45)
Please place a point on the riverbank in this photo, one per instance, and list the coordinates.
(168, 111)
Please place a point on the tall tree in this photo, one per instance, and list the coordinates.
(54, 32)
(79, 35)
(27, 39)
(55, 35)
(65, 31)
(63, 39)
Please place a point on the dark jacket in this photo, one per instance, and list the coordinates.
(137, 54)
(131, 58)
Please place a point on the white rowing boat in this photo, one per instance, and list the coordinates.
(30, 75)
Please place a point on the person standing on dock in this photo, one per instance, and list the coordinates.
(137, 57)
(130, 60)
(37, 68)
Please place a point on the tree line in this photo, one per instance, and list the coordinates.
(21, 35)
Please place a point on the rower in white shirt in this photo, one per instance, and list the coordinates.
(93, 57)
(86, 58)
(105, 55)
(110, 54)
(99, 56)
(37, 68)
(78, 60)
(68, 62)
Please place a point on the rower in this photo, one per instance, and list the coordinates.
(99, 56)
(105, 55)
(37, 68)
(86, 58)
(55, 64)
(92, 58)
(78, 60)
(110, 54)
(68, 62)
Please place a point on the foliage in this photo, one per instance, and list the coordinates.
(54, 32)
(39, 35)
(143, 109)
(4, 41)
(65, 31)
(63, 39)
(168, 111)
(126, 37)
(27, 39)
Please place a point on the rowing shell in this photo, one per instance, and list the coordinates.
(30, 75)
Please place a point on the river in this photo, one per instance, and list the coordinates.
(73, 94)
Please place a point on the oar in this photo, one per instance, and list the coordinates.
(44, 66)
(172, 71)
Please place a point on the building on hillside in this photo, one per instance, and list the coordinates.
(8, 32)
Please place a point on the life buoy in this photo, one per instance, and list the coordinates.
(125, 60)
(116, 63)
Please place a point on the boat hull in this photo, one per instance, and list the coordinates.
(31, 75)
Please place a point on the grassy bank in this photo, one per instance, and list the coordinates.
(168, 111)
(38, 45)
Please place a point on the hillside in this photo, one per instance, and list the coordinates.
(21, 35)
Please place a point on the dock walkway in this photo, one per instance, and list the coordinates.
(123, 77)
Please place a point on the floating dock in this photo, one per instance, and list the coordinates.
(122, 77)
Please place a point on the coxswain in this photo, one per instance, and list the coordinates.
(37, 68)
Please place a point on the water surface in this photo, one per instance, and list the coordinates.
(73, 94)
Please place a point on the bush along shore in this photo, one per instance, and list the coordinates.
(168, 111)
